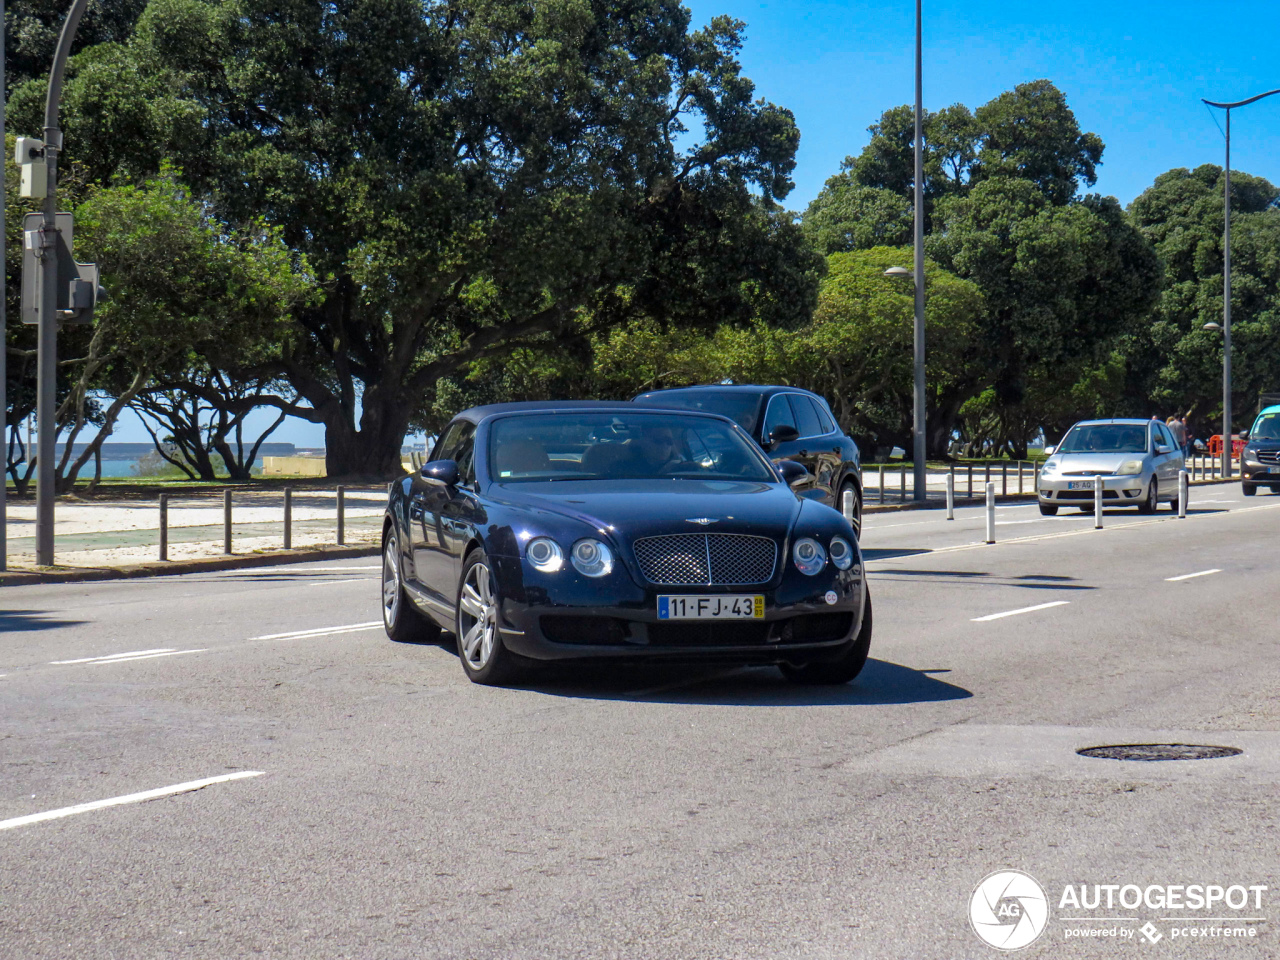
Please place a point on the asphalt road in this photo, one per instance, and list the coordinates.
(399, 811)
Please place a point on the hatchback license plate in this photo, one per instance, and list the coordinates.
(1079, 484)
(693, 607)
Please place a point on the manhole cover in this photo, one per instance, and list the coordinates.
(1160, 751)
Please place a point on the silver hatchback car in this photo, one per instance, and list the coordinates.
(1137, 460)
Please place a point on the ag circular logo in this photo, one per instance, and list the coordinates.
(1009, 910)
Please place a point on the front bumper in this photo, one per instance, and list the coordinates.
(615, 618)
(1259, 472)
(1115, 490)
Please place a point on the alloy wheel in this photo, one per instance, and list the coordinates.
(477, 617)
(390, 581)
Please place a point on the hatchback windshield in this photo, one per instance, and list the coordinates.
(612, 446)
(1267, 427)
(1105, 438)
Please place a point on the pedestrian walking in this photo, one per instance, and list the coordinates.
(1179, 431)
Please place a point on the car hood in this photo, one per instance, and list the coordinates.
(1106, 463)
(627, 509)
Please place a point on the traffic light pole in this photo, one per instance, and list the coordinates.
(47, 360)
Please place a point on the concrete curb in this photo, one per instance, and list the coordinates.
(178, 567)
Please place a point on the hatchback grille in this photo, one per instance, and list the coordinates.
(706, 559)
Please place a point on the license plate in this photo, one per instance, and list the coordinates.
(1079, 484)
(693, 607)
(1273, 470)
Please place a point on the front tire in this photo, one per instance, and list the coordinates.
(400, 618)
(1249, 489)
(1152, 499)
(1049, 509)
(841, 670)
(856, 522)
(484, 658)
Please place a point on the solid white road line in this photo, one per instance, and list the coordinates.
(113, 656)
(128, 798)
(321, 631)
(125, 657)
(1014, 613)
(372, 566)
(325, 583)
(1188, 576)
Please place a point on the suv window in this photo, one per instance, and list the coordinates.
(779, 413)
(828, 425)
(807, 421)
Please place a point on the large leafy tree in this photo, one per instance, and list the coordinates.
(1174, 362)
(466, 176)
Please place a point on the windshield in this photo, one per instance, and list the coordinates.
(612, 446)
(1105, 438)
(743, 408)
(1266, 427)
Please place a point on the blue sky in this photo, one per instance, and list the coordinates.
(1133, 73)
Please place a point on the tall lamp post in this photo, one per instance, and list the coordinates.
(1226, 282)
(919, 492)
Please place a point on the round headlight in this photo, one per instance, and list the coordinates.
(591, 558)
(841, 553)
(544, 554)
(809, 556)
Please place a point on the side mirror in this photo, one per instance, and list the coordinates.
(443, 471)
(791, 471)
(1048, 451)
(1162, 448)
(783, 433)
(1244, 434)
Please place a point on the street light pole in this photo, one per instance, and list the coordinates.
(1226, 282)
(47, 342)
(4, 339)
(918, 420)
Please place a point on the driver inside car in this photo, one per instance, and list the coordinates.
(656, 449)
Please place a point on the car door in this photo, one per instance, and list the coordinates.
(820, 449)
(1171, 462)
(432, 519)
(778, 413)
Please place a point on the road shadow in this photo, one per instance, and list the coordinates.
(881, 683)
(21, 621)
(1027, 582)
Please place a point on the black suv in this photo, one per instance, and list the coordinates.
(789, 424)
(1260, 459)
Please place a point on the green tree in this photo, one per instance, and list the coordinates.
(466, 176)
(1174, 363)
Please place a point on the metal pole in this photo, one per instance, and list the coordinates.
(164, 526)
(47, 339)
(1019, 478)
(902, 482)
(918, 438)
(1226, 310)
(970, 481)
(342, 511)
(1004, 479)
(1097, 503)
(991, 512)
(951, 495)
(1184, 490)
(881, 482)
(288, 518)
(226, 520)
(4, 373)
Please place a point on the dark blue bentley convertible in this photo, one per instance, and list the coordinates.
(547, 531)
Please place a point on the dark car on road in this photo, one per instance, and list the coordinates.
(552, 531)
(1260, 458)
(788, 424)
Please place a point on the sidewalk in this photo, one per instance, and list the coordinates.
(111, 533)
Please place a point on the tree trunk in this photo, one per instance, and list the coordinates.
(374, 449)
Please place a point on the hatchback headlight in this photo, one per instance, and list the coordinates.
(809, 556)
(1129, 468)
(1049, 466)
(591, 558)
(841, 553)
(544, 554)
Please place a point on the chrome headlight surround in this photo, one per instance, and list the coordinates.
(591, 558)
(544, 555)
(808, 556)
(841, 553)
(1129, 468)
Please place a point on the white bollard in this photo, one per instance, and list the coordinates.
(1184, 490)
(846, 505)
(1097, 503)
(991, 512)
(951, 496)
